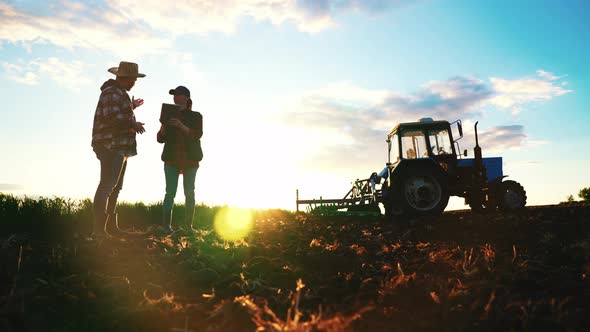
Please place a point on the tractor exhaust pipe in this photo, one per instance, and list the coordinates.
(480, 170)
(477, 149)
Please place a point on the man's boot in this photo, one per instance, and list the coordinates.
(111, 225)
(98, 228)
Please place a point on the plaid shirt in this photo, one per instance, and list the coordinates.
(180, 148)
(114, 120)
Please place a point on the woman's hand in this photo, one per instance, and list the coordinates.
(176, 123)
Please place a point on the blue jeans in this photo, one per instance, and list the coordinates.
(112, 172)
(188, 180)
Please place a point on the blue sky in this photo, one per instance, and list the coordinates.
(296, 94)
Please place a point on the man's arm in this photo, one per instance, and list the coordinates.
(136, 102)
(116, 111)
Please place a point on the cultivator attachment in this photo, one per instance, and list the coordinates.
(361, 200)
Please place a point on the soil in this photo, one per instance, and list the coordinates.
(458, 272)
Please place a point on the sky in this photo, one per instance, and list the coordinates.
(295, 94)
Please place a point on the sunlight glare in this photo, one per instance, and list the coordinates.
(233, 224)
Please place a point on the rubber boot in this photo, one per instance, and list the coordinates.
(188, 221)
(99, 228)
(167, 223)
(111, 225)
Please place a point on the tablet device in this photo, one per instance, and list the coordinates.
(168, 112)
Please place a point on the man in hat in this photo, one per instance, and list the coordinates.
(113, 141)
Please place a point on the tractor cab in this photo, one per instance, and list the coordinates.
(424, 139)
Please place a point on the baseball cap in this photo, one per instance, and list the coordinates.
(180, 90)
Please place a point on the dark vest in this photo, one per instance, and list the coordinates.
(191, 119)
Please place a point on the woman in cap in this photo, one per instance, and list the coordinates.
(182, 153)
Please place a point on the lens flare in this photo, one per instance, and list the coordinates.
(233, 224)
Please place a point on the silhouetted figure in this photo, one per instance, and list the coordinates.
(182, 152)
(113, 141)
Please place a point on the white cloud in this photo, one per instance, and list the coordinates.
(502, 138)
(20, 74)
(456, 97)
(204, 16)
(355, 121)
(77, 25)
(514, 94)
(67, 74)
(346, 105)
(128, 27)
(207, 16)
(507, 137)
(547, 75)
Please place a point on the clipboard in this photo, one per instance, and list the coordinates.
(169, 111)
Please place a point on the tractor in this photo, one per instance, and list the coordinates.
(423, 170)
(425, 167)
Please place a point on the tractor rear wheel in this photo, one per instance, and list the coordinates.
(422, 192)
(511, 196)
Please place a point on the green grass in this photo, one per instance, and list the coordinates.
(59, 217)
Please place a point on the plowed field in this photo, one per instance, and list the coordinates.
(457, 272)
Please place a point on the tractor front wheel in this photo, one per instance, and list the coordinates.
(511, 196)
(424, 193)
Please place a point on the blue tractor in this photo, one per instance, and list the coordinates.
(425, 168)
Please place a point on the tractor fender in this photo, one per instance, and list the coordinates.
(496, 182)
(408, 164)
(494, 185)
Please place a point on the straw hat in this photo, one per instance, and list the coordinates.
(126, 69)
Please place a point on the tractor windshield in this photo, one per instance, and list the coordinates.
(440, 142)
(413, 144)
